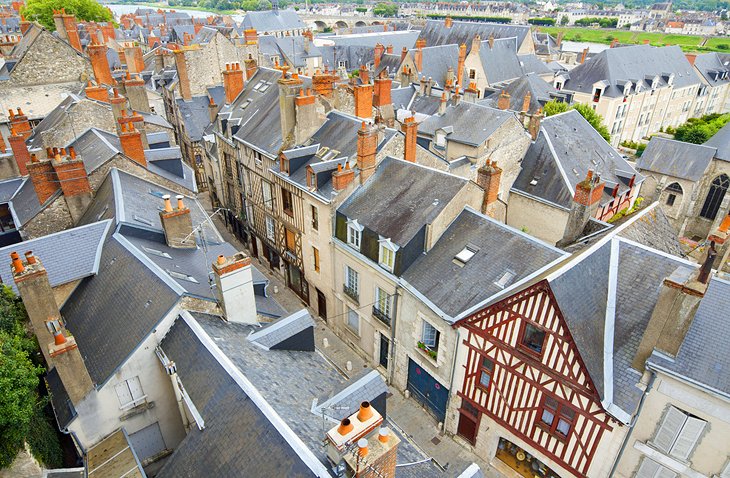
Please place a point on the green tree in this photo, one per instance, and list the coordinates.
(42, 11)
(554, 107)
(564, 20)
(18, 396)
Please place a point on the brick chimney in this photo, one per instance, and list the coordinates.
(471, 94)
(250, 66)
(183, 80)
(418, 56)
(559, 39)
(212, 109)
(448, 22)
(234, 288)
(20, 151)
(488, 178)
(119, 106)
(177, 224)
(99, 63)
(526, 102)
(583, 56)
(410, 130)
(364, 75)
(73, 36)
(389, 49)
(679, 298)
(503, 102)
(364, 101)
(460, 65)
(323, 83)
(476, 44)
(107, 31)
(288, 90)
(24, 25)
(307, 119)
(585, 203)
(251, 36)
(614, 42)
(134, 59)
(367, 145)
(342, 177)
(374, 457)
(68, 362)
(533, 126)
(378, 54)
(20, 123)
(137, 93)
(403, 53)
(382, 99)
(60, 24)
(442, 104)
(34, 288)
(74, 182)
(43, 177)
(132, 146)
(232, 81)
(96, 92)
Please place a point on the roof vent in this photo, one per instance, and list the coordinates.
(534, 181)
(505, 280)
(465, 255)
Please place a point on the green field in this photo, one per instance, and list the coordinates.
(688, 43)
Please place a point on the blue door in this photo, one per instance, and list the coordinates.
(427, 390)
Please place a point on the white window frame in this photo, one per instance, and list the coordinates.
(352, 279)
(383, 302)
(386, 254)
(352, 314)
(678, 433)
(432, 342)
(354, 234)
(130, 393)
(268, 194)
(270, 228)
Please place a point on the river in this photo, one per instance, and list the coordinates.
(120, 9)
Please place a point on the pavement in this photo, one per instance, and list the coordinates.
(405, 415)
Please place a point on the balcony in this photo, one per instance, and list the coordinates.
(351, 293)
(381, 316)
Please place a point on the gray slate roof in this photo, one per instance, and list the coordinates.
(195, 114)
(712, 69)
(566, 148)
(67, 255)
(281, 330)
(436, 33)
(500, 249)
(436, 61)
(721, 141)
(472, 124)
(62, 406)
(675, 158)
(500, 62)
(340, 406)
(24, 204)
(637, 63)
(401, 198)
(8, 188)
(271, 21)
(703, 356)
(540, 93)
(530, 63)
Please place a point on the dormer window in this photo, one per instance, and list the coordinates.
(354, 234)
(440, 139)
(597, 95)
(386, 254)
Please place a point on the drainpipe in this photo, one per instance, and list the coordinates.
(391, 352)
(633, 422)
(453, 369)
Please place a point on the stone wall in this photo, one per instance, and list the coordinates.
(84, 115)
(206, 64)
(55, 217)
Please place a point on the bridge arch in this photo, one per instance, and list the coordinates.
(360, 23)
(341, 24)
(320, 25)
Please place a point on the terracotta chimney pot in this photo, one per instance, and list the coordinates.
(365, 413)
(168, 205)
(18, 266)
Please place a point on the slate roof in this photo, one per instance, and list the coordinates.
(239, 438)
(67, 255)
(272, 21)
(401, 198)
(712, 69)
(653, 229)
(701, 358)
(530, 63)
(24, 204)
(277, 332)
(472, 124)
(339, 406)
(195, 115)
(540, 93)
(566, 148)
(721, 141)
(636, 63)
(436, 33)
(398, 39)
(8, 188)
(62, 406)
(454, 288)
(390, 63)
(352, 55)
(675, 158)
(436, 60)
(500, 62)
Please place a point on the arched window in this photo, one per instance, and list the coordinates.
(673, 190)
(715, 196)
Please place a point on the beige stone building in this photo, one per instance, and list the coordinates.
(714, 93)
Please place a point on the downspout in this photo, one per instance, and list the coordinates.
(633, 422)
(391, 352)
(453, 372)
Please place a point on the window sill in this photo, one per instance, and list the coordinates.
(134, 411)
(432, 360)
(557, 436)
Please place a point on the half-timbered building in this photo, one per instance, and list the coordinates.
(551, 374)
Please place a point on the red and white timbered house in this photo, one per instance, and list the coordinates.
(547, 385)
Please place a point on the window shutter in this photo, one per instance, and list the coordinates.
(687, 439)
(123, 393)
(669, 429)
(135, 387)
(665, 473)
(648, 469)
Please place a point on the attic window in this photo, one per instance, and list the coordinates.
(465, 255)
(157, 253)
(142, 220)
(505, 280)
(246, 103)
(265, 87)
(258, 86)
(534, 181)
(182, 276)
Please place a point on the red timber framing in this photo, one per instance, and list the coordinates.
(521, 379)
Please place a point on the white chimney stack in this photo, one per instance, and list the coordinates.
(234, 282)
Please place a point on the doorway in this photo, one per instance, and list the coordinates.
(384, 348)
(321, 304)
(427, 390)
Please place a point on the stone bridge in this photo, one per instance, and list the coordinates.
(320, 22)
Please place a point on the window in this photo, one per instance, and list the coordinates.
(714, 197)
(268, 196)
(651, 469)
(315, 254)
(315, 218)
(286, 202)
(597, 95)
(485, 373)
(383, 305)
(353, 320)
(472, 74)
(270, 228)
(386, 254)
(466, 253)
(678, 433)
(670, 199)
(352, 283)
(6, 219)
(129, 393)
(533, 338)
(430, 336)
(354, 234)
(555, 417)
(291, 241)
